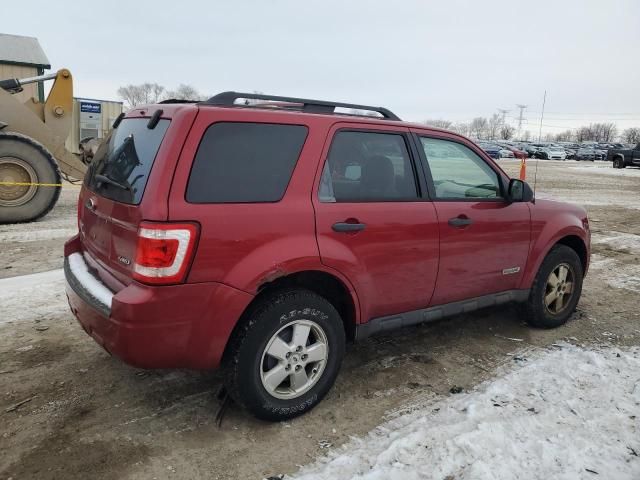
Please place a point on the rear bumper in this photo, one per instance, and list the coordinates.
(174, 326)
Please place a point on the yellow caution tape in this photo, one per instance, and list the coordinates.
(29, 184)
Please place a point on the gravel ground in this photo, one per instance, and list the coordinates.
(88, 412)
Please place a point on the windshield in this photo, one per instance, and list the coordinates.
(121, 166)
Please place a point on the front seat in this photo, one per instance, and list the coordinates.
(378, 178)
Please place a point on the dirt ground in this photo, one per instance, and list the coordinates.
(89, 415)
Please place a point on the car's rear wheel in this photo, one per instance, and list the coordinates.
(286, 355)
(556, 289)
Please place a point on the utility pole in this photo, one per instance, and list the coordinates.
(520, 119)
(544, 102)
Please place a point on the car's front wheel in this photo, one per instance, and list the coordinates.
(618, 163)
(286, 355)
(556, 289)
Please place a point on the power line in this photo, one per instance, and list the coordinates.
(587, 113)
(503, 114)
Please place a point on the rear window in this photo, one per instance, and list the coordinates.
(244, 162)
(120, 168)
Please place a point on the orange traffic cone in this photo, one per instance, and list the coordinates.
(523, 169)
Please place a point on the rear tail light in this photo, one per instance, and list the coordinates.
(164, 252)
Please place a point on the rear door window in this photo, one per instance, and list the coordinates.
(244, 162)
(121, 167)
(368, 167)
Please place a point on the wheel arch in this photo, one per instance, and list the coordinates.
(571, 237)
(328, 285)
(577, 245)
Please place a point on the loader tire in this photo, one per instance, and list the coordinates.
(29, 179)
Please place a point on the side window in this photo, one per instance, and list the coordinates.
(368, 167)
(244, 162)
(458, 172)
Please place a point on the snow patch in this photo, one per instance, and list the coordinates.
(586, 198)
(619, 241)
(609, 170)
(22, 236)
(616, 274)
(92, 284)
(563, 415)
(31, 297)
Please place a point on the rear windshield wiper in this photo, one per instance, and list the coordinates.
(104, 179)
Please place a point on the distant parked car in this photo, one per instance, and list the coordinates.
(625, 157)
(556, 153)
(585, 154)
(505, 152)
(517, 153)
(551, 153)
(492, 150)
(600, 153)
(531, 150)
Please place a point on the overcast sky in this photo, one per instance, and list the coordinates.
(422, 59)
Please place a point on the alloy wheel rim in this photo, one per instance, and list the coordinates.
(294, 359)
(16, 170)
(559, 289)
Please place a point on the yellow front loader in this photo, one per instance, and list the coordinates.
(32, 151)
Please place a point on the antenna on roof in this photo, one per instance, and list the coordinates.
(535, 175)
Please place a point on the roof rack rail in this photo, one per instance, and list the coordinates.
(228, 99)
(170, 101)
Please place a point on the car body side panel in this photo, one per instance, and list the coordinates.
(551, 222)
(393, 262)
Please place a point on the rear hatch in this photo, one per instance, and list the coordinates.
(109, 208)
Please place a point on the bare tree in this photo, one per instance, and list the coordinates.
(631, 135)
(609, 132)
(526, 136)
(462, 128)
(566, 136)
(141, 94)
(439, 123)
(597, 132)
(507, 132)
(583, 134)
(478, 127)
(185, 92)
(493, 126)
(131, 95)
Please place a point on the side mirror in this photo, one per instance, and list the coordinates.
(519, 191)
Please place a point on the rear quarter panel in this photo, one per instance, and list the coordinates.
(247, 244)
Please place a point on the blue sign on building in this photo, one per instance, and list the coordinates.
(90, 107)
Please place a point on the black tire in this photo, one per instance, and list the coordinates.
(535, 310)
(43, 169)
(618, 163)
(244, 361)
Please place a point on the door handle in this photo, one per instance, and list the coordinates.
(348, 227)
(460, 221)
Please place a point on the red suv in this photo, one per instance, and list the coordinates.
(259, 234)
